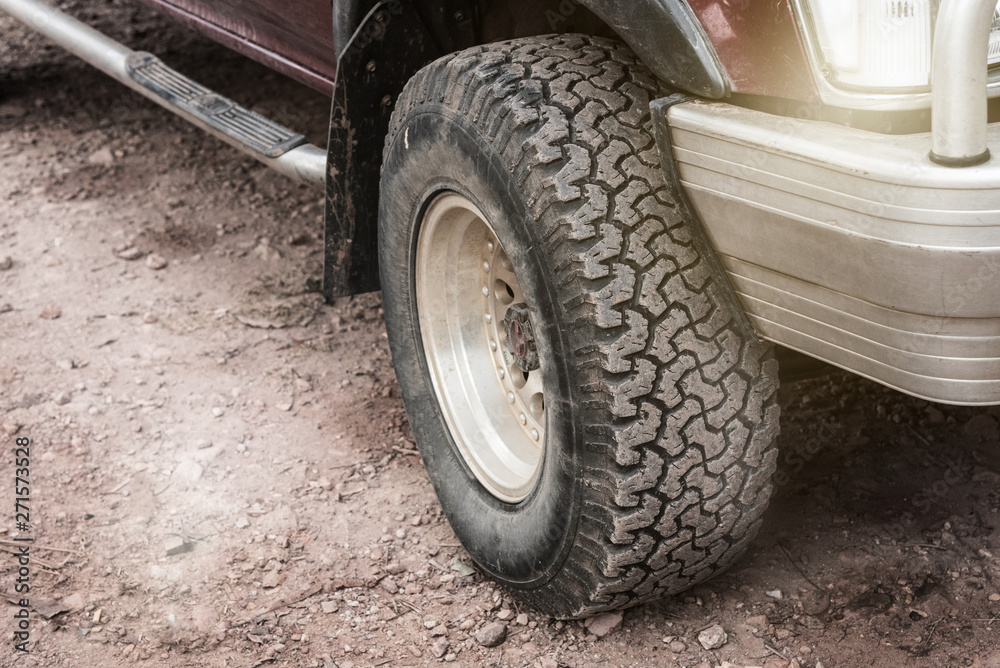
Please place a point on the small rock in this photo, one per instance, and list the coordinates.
(995, 597)
(713, 637)
(677, 647)
(242, 523)
(491, 635)
(284, 405)
(73, 602)
(51, 312)
(66, 365)
(934, 415)
(6, 308)
(52, 261)
(272, 579)
(128, 252)
(522, 619)
(189, 470)
(149, 318)
(549, 662)
(459, 567)
(440, 647)
(101, 156)
(604, 623)
(758, 622)
(983, 427)
(329, 607)
(176, 545)
(61, 398)
(6, 263)
(505, 614)
(156, 262)
(774, 593)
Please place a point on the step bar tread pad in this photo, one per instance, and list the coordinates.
(261, 134)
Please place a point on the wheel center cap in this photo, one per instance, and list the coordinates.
(520, 337)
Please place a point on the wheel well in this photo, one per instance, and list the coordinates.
(382, 44)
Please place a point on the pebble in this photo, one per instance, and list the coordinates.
(101, 156)
(983, 428)
(522, 619)
(329, 607)
(604, 623)
(6, 308)
(774, 593)
(440, 647)
(677, 647)
(242, 523)
(74, 602)
(491, 635)
(713, 637)
(272, 579)
(155, 262)
(149, 318)
(176, 545)
(505, 614)
(61, 398)
(51, 312)
(128, 253)
(189, 470)
(6, 263)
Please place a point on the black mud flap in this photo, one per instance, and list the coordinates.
(391, 45)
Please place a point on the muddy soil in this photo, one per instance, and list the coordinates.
(221, 470)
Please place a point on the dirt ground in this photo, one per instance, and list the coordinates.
(221, 469)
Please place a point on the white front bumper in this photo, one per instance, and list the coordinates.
(852, 246)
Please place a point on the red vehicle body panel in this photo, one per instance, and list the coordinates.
(757, 42)
(759, 46)
(294, 38)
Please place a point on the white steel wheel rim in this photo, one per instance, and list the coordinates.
(465, 285)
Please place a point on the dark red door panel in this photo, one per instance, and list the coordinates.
(295, 38)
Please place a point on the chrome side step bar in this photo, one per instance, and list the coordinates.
(277, 147)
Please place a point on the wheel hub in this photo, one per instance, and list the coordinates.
(480, 347)
(521, 337)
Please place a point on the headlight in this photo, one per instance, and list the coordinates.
(882, 45)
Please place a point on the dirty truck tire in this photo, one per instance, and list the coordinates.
(660, 415)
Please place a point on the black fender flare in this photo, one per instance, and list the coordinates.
(669, 39)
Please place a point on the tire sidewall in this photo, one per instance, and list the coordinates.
(435, 151)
